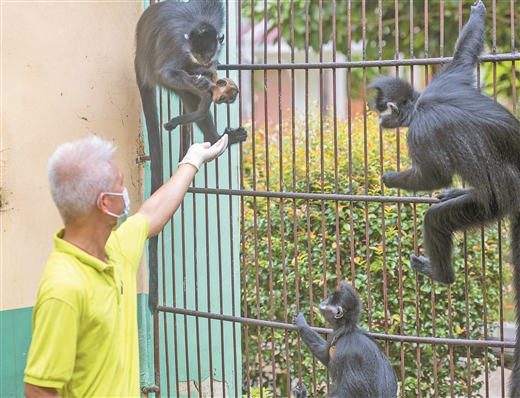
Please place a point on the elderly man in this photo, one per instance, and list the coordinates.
(85, 319)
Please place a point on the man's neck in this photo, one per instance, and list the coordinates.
(89, 236)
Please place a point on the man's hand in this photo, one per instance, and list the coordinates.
(199, 154)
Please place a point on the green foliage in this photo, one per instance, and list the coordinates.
(259, 393)
(305, 247)
(305, 16)
(300, 24)
(499, 80)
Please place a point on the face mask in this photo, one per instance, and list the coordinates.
(121, 218)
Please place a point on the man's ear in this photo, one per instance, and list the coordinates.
(101, 202)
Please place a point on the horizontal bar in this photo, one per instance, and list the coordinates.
(378, 336)
(315, 196)
(366, 63)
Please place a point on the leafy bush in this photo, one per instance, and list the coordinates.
(305, 247)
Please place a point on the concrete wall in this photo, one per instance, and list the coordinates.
(67, 71)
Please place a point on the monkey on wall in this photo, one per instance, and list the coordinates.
(453, 129)
(356, 365)
(174, 39)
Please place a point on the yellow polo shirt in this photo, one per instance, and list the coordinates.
(84, 332)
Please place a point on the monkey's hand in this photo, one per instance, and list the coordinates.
(202, 84)
(236, 135)
(300, 393)
(389, 177)
(299, 320)
(172, 124)
(449, 194)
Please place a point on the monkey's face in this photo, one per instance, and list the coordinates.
(331, 309)
(388, 115)
(342, 306)
(204, 47)
(225, 91)
(393, 102)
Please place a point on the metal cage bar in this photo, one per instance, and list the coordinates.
(309, 210)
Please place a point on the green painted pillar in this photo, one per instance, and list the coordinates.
(199, 268)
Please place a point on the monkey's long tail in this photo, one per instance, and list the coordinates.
(514, 381)
(149, 100)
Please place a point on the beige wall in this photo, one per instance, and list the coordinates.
(67, 71)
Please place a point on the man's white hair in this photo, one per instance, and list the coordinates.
(78, 172)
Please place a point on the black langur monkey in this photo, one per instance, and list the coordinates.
(356, 365)
(453, 129)
(175, 42)
(174, 38)
(223, 91)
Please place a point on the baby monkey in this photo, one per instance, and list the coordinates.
(222, 91)
(356, 365)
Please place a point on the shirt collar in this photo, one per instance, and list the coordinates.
(66, 247)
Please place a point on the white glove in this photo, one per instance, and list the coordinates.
(199, 154)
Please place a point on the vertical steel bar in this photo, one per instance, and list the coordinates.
(268, 200)
(365, 167)
(294, 203)
(350, 149)
(164, 288)
(185, 297)
(322, 155)
(336, 162)
(236, 351)
(399, 209)
(412, 82)
(513, 50)
(220, 277)
(281, 188)
(174, 304)
(231, 222)
(501, 308)
(307, 180)
(383, 205)
(244, 264)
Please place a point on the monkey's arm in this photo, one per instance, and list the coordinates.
(414, 180)
(317, 345)
(430, 169)
(300, 393)
(179, 80)
(470, 43)
(200, 113)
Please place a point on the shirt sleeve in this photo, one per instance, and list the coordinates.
(51, 357)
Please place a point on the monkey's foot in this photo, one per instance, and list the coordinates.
(448, 194)
(236, 135)
(421, 264)
(300, 393)
(478, 8)
(171, 124)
